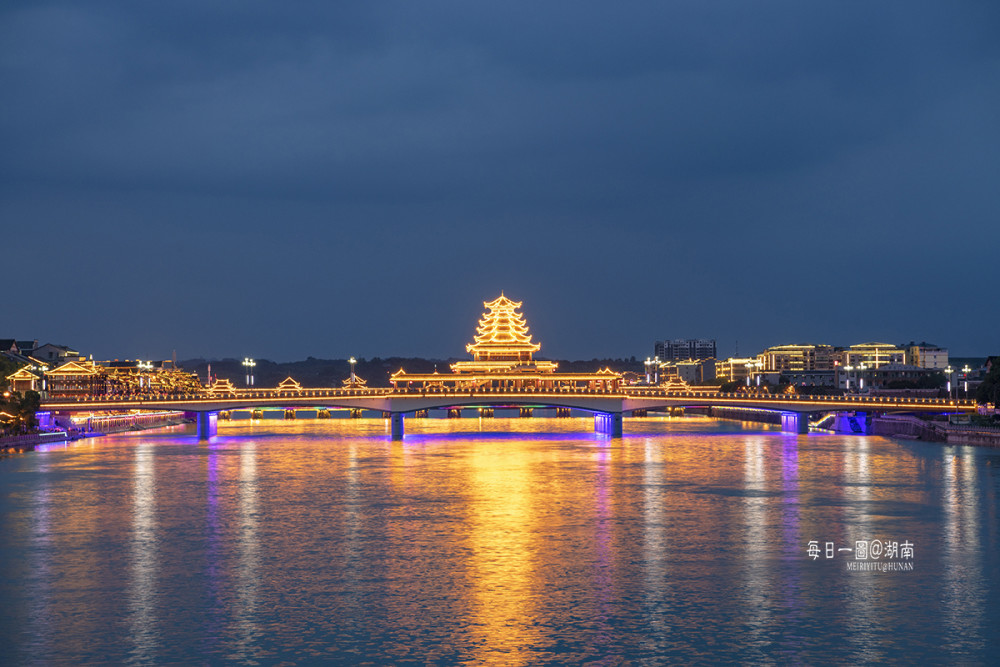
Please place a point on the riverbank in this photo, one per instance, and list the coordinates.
(906, 427)
(15, 444)
(111, 424)
(913, 428)
(94, 427)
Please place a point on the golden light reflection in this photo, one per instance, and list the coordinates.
(502, 550)
(656, 543)
(143, 562)
(862, 595)
(248, 573)
(40, 577)
(963, 586)
(756, 570)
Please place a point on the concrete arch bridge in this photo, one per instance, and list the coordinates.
(608, 406)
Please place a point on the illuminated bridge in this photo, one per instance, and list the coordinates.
(505, 373)
(607, 405)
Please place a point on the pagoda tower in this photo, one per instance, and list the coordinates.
(502, 343)
(503, 359)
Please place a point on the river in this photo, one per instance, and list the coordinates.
(507, 541)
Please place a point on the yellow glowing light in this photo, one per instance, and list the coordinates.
(289, 384)
(502, 332)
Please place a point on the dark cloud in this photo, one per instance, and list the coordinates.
(332, 178)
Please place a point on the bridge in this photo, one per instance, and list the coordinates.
(608, 406)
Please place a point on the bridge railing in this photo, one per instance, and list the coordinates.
(887, 401)
(641, 392)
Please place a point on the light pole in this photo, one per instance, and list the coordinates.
(948, 371)
(848, 369)
(649, 362)
(656, 370)
(965, 378)
(143, 366)
(861, 378)
(249, 363)
(749, 366)
(352, 361)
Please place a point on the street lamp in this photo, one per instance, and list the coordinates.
(649, 362)
(861, 378)
(965, 378)
(749, 366)
(948, 371)
(848, 369)
(656, 370)
(249, 363)
(352, 361)
(143, 366)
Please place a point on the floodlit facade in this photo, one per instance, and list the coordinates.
(83, 377)
(872, 355)
(783, 358)
(25, 379)
(926, 355)
(690, 371)
(737, 369)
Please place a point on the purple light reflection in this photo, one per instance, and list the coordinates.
(213, 556)
(790, 522)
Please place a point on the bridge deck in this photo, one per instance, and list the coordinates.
(409, 400)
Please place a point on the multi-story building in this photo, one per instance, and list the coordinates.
(926, 355)
(692, 371)
(51, 353)
(872, 355)
(737, 369)
(682, 349)
(798, 358)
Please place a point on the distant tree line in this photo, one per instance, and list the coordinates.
(313, 372)
(989, 390)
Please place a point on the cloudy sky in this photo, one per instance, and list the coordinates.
(283, 180)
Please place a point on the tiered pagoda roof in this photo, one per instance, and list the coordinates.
(221, 386)
(75, 369)
(503, 358)
(289, 384)
(502, 333)
(502, 343)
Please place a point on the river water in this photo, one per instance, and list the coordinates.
(498, 541)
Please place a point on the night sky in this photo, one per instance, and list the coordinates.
(284, 180)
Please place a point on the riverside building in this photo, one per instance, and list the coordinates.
(872, 355)
(784, 358)
(926, 355)
(683, 349)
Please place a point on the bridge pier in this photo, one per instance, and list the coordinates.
(396, 425)
(208, 425)
(795, 422)
(608, 423)
(856, 423)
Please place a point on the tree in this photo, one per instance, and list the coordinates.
(26, 409)
(989, 390)
(7, 367)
